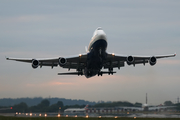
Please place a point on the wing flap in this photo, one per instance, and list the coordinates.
(48, 64)
(114, 64)
(70, 65)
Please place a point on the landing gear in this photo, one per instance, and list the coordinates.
(110, 71)
(89, 73)
(100, 73)
(80, 72)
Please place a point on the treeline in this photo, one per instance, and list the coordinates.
(169, 103)
(37, 100)
(45, 106)
(119, 103)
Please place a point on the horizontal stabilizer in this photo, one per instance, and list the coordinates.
(107, 72)
(71, 73)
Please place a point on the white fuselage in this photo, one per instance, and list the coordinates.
(99, 34)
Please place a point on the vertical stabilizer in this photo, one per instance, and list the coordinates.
(86, 107)
(86, 49)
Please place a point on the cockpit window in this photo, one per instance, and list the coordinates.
(99, 28)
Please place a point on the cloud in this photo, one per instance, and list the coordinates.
(51, 83)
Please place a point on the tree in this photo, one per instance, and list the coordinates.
(41, 107)
(178, 106)
(138, 104)
(56, 107)
(168, 103)
(45, 103)
(60, 104)
(21, 107)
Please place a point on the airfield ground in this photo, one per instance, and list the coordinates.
(81, 118)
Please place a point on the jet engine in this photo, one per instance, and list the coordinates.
(152, 61)
(35, 63)
(62, 61)
(130, 60)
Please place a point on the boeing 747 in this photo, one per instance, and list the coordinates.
(94, 60)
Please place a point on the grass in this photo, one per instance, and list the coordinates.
(81, 118)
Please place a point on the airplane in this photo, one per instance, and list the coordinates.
(94, 60)
(75, 110)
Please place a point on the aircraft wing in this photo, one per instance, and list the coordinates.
(53, 62)
(114, 60)
(76, 62)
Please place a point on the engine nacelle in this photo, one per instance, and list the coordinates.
(152, 61)
(62, 61)
(130, 60)
(35, 63)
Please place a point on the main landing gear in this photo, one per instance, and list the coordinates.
(110, 72)
(100, 73)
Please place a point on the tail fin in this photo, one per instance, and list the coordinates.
(86, 107)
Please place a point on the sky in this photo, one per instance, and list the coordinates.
(45, 29)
